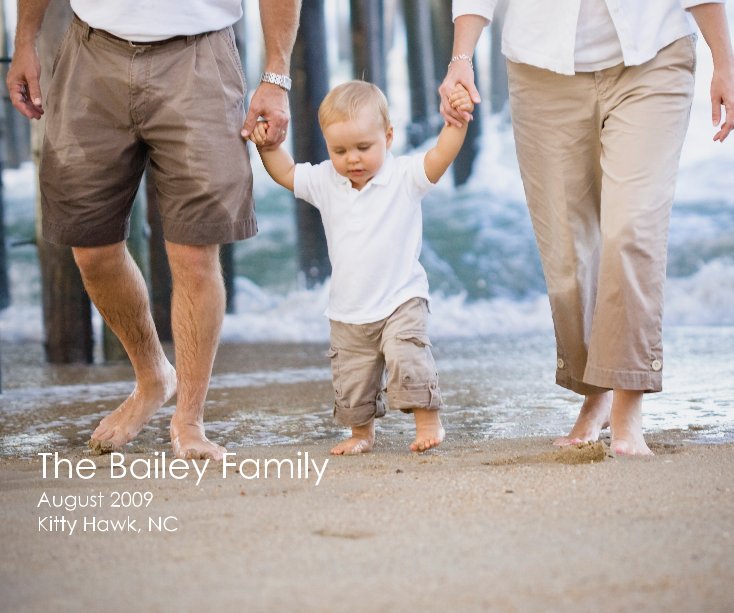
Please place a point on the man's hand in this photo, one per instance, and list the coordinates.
(23, 81)
(271, 103)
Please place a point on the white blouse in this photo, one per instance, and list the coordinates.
(543, 33)
(597, 44)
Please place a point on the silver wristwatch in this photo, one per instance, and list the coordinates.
(280, 80)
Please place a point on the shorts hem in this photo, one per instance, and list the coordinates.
(179, 233)
(183, 233)
(75, 236)
(406, 400)
(358, 416)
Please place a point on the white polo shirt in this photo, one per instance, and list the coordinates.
(543, 32)
(149, 20)
(374, 235)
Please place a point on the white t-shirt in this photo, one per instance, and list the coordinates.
(542, 33)
(150, 20)
(374, 236)
(597, 44)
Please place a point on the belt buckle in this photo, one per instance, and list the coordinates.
(136, 44)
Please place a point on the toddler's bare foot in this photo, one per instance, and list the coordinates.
(190, 443)
(361, 441)
(626, 423)
(429, 432)
(592, 419)
(123, 424)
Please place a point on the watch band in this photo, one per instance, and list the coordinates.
(280, 80)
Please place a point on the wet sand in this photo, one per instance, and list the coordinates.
(492, 520)
(280, 394)
(502, 525)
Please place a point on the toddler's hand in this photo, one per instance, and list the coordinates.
(259, 135)
(460, 99)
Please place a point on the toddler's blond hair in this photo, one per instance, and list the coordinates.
(346, 101)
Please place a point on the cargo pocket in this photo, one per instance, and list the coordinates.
(333, 355)
(416, 367)
(418, 338)
(415, 382)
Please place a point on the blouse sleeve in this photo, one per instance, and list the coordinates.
(686, 4)
(483, 8)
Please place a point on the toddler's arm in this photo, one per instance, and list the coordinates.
(277, 162)
(439, 158)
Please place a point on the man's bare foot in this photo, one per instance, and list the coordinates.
(190, 443)
(123, 424)
(593, 418)
(626, 424)
(361, 441)
(429, 432)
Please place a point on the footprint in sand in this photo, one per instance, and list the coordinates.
(583, 453)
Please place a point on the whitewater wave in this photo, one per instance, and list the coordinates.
(704, 298)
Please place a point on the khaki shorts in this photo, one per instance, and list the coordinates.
(392, 355)
(112, 105)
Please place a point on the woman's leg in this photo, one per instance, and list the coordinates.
(557, 125)
(645, 110)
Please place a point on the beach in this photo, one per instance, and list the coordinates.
(504, 525)
(495, 519)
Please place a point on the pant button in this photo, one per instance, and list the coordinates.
(560, 363)
(656, 365)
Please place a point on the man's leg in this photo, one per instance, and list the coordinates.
(197, 312)
(115, 285)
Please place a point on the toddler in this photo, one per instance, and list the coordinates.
(370, 205)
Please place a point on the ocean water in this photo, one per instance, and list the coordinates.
(494, 386)
(490, 317)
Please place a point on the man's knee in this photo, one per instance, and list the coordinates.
(99, 261)
(194, 263)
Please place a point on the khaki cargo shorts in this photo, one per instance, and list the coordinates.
(389, 357)
(112, 105)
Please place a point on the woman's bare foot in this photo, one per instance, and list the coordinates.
(126, 421)
(429, 432)
(626, 424)
(593, 418)
(190, 443)
(361, 441)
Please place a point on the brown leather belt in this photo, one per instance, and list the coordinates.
(132, 43)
